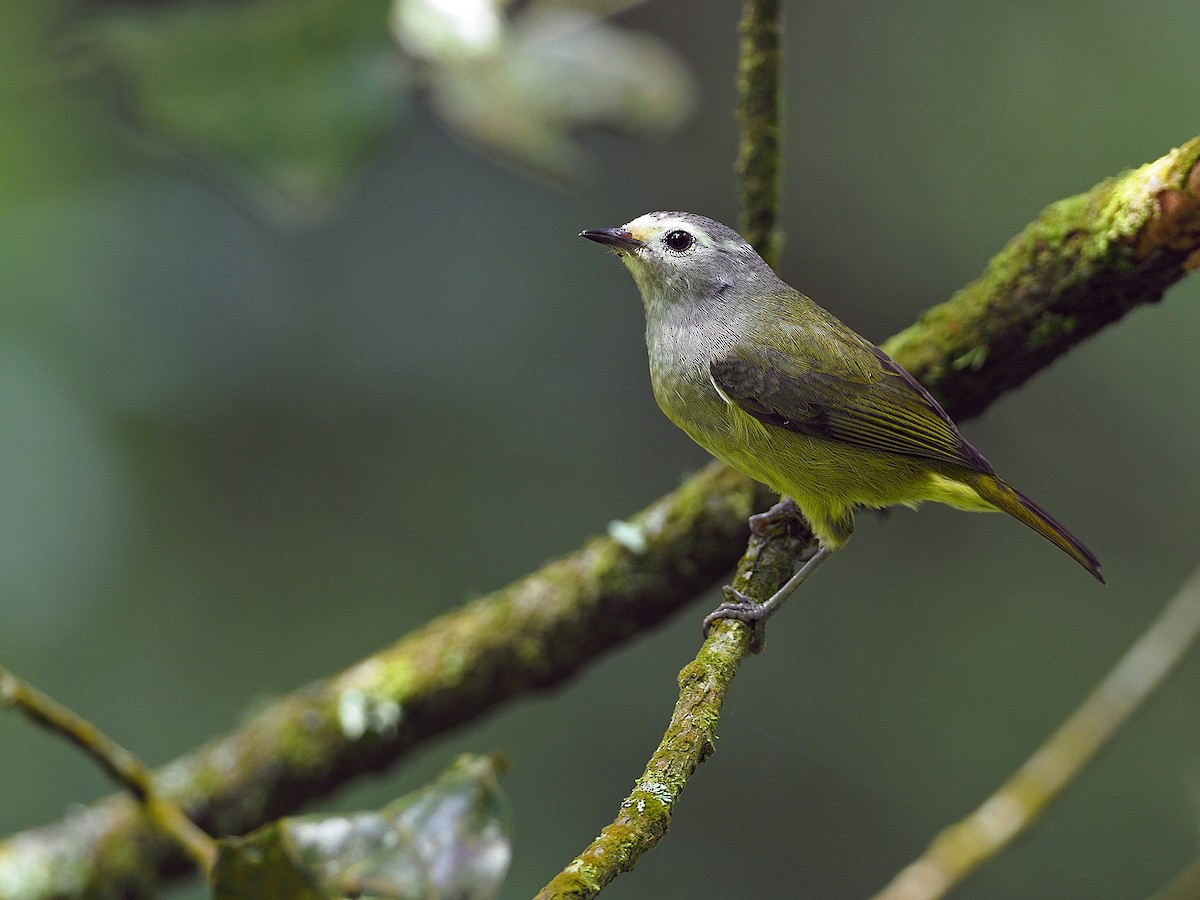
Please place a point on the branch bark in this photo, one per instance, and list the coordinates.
(533, 634)
(690, 737)
(757, 164)
(1080, 267)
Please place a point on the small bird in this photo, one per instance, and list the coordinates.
(769, 382)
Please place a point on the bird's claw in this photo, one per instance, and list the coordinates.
(738, 606)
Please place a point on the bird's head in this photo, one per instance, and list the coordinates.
(679, 257)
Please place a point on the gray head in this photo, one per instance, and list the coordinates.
(682, 257)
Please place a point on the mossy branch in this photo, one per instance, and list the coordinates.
(1088, 260)
(1079, 267)
(690, 737)
(1018, 292)
(757, 164)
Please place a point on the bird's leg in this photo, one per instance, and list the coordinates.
(738, 606)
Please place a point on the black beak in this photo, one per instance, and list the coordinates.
(617, 238)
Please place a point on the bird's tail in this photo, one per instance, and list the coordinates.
(1005, 497)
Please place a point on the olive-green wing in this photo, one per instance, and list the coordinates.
(878, 406)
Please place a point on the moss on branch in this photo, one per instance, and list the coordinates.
(1080, 266)
(757, 164)
(690, 736)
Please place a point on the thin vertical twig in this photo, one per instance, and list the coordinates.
(757, 164)
(690, 736)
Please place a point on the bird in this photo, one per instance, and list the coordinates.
(775, 386)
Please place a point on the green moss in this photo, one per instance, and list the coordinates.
(972, 359)
(1048, 330)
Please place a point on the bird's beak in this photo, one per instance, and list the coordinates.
(617, 238)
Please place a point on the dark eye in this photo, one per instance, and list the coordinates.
(679, 241)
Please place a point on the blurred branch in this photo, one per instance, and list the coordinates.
(122, 766)
(1184, 886)
(1084, 264)
(963, 847)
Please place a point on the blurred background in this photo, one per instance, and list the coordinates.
(293, 305)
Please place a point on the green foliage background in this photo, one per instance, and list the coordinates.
(237, 456)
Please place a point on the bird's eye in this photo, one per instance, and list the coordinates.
(679, 241)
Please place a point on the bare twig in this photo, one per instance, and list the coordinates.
(963, 847)
(122, 766)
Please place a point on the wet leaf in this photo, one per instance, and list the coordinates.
(448, 840)
(523, 93)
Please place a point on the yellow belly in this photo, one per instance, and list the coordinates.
(829, 479)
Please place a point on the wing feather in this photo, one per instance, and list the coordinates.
(877, 405)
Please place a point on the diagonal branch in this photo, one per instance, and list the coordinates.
(963, 847)
(690, 737)
(1035, 307)
(1081, 266)
(531, 635)
(118, 763)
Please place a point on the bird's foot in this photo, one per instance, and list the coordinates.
(738, 606)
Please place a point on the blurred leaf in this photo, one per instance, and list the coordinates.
(448, 32)
(284, 99)
(553, 71)
(448, 840)
(48, 145)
